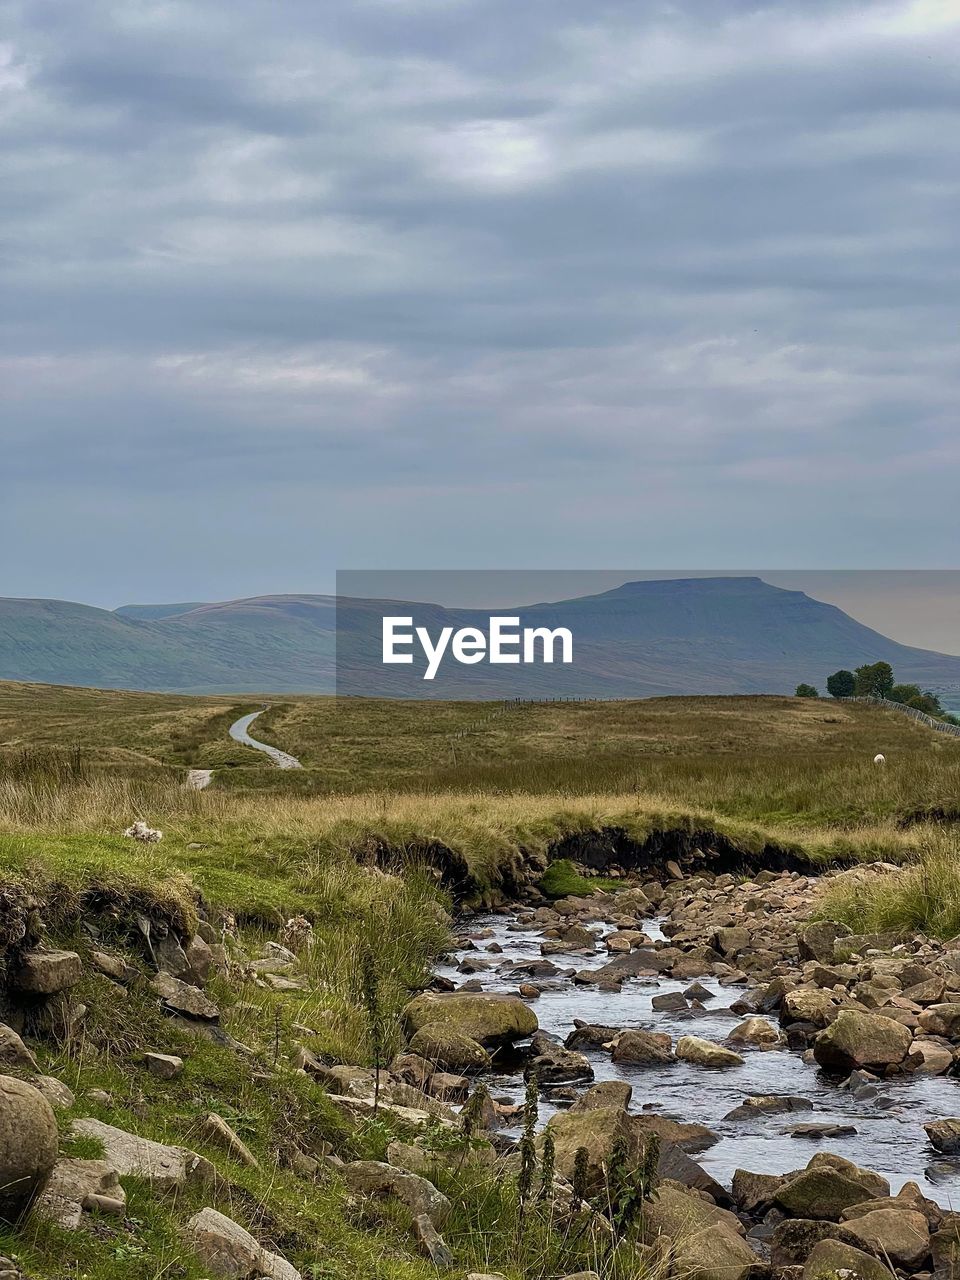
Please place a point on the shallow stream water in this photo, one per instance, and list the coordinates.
(889, 1136)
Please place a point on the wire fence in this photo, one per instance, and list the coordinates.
(939, 726)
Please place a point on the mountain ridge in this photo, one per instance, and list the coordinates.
(643, 638)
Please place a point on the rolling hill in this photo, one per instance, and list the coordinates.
(709, 635)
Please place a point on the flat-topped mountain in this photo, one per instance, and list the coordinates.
(689, 635)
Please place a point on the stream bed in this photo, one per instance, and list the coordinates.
(889, 1136)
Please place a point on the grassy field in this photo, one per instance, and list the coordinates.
(261, 845)
(482, 782)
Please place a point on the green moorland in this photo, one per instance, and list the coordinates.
(260, 846)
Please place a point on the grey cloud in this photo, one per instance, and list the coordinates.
(625, 275)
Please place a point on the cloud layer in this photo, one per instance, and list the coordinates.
(386, 282)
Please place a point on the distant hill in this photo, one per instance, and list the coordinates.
(708, 635)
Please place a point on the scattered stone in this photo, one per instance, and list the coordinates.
(944, 1135)
(757, 1032)
(55, 1091)
(113, 967)
(165, 1066)
(431, 1242)
(216, 1130)
(13, 1052)
(46, 972)
(608, 1093)
(183, 998)
(768, 1104)
(825, 1129)
(76, 1185)
(669, 1002)
(643, 1048)
(552, 1063)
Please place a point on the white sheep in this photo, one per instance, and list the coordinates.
(879, 759)
(146, 835)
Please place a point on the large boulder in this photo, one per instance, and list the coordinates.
(944, 1135)
(902, 1235)
(857, 1039)
(818, 940)
(821, 1193)
(758, 1033)
(491, 1019)
(229, 1252)
(705, 1053)
(941, 1020)
(705, 1241)
(597, 1131)
(831, 1258)
(451, 1050)
(643, 1048)
(162, 1167)
(387, 1182)
(28, 1146)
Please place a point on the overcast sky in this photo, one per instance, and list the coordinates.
(386, 283)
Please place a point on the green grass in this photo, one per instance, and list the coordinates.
(922, 897)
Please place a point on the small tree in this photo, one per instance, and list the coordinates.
(874, 680)
(842, 684)
(806, 691)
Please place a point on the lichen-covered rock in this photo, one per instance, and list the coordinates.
(161, 1166)
(819, 1193)
(757, 1032)
(705, 1053)
(902, 1235)
(385, 1181)
(705, 1241)
(831, 1258)
(944, 1135)
(491, 1019)
(46, 972)
(856, 1039)
(28, 1146)
(443, 1046)
(230, 1252)
(597, 1131)
(643, 1048)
